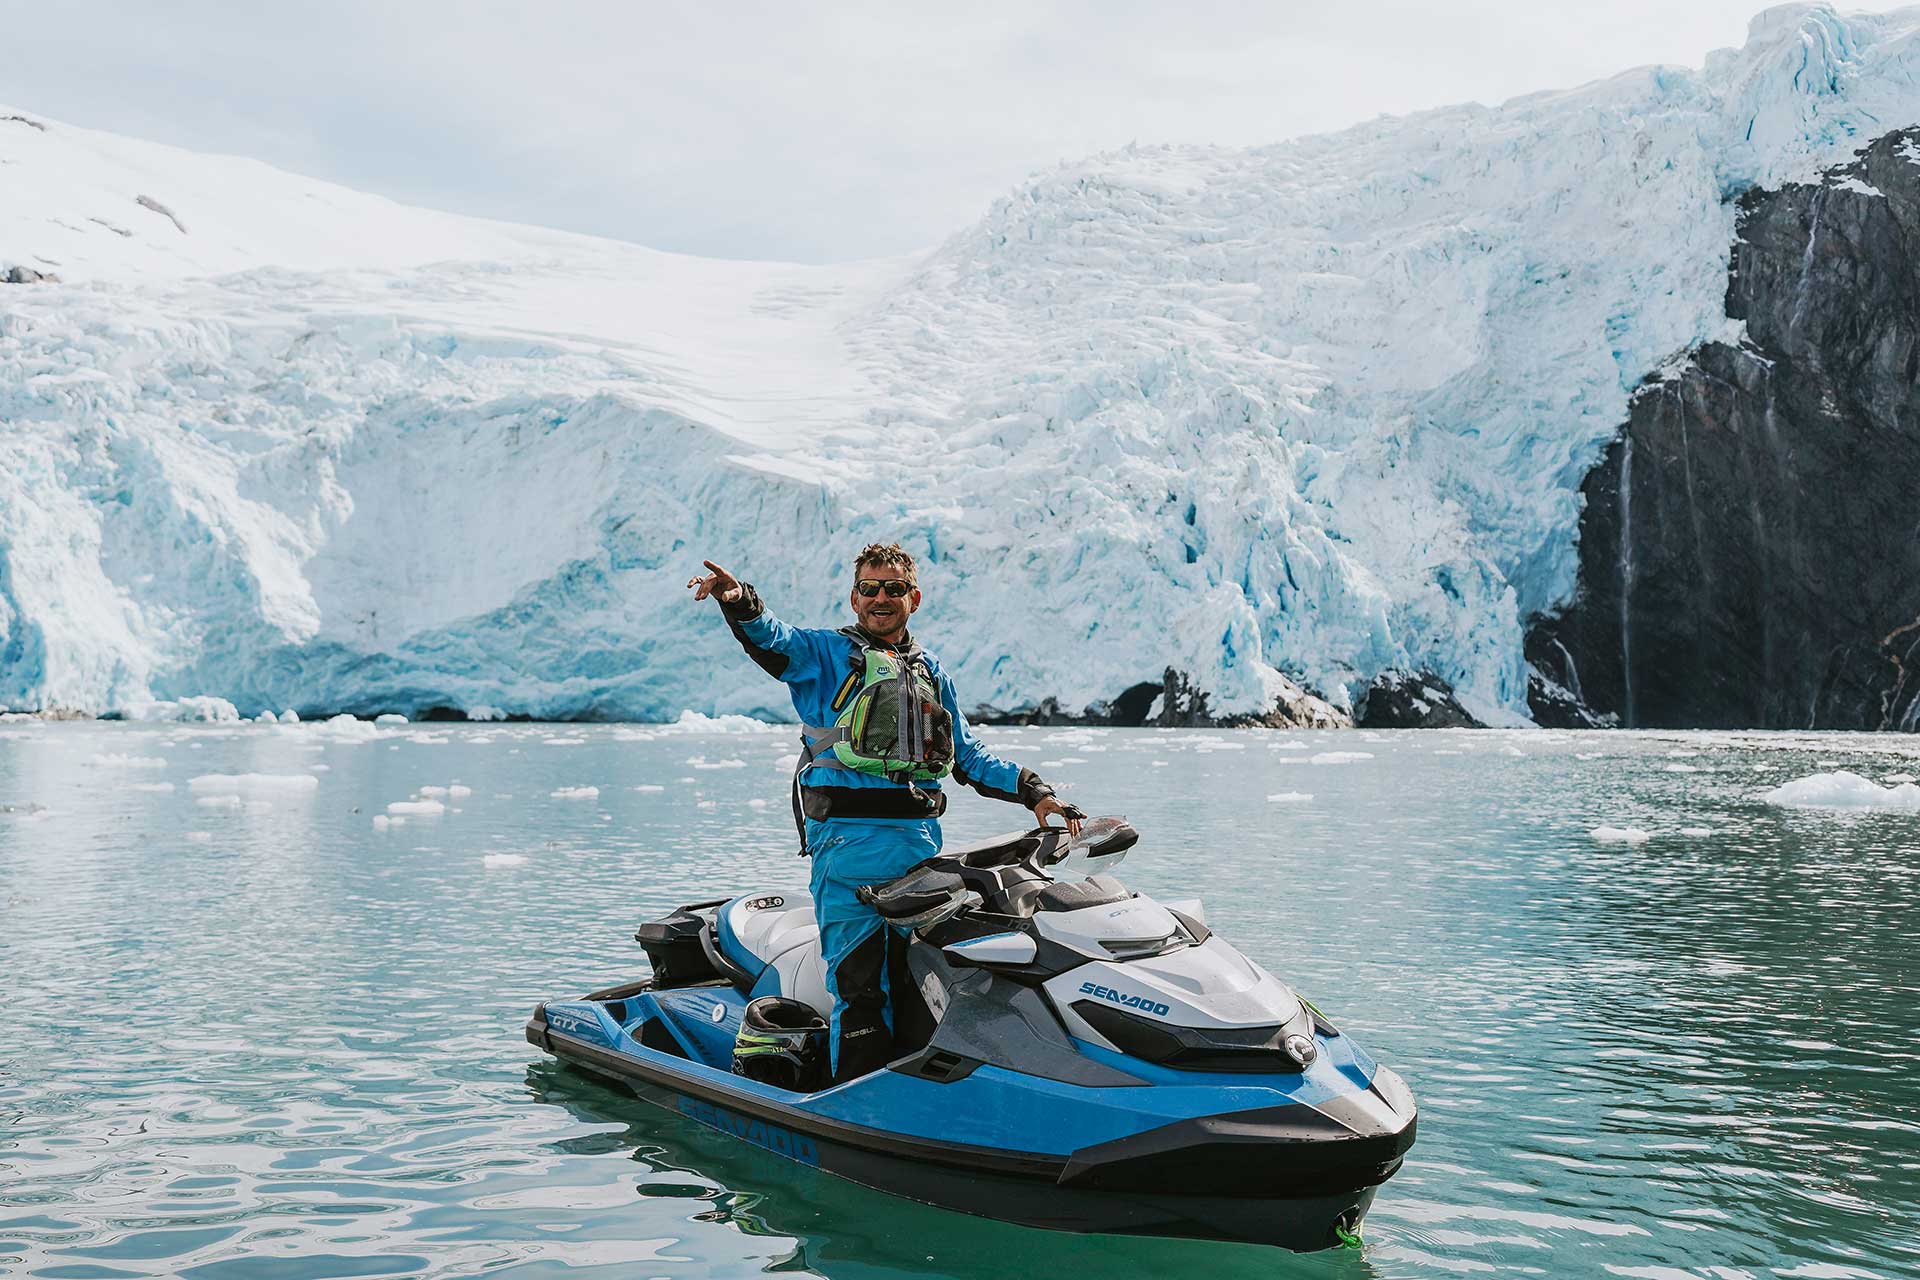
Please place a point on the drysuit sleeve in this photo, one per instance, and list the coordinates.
(985, 772)
(788, 654)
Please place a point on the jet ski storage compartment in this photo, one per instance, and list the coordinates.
(678, 946)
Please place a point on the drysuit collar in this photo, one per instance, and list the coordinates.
(903, 645)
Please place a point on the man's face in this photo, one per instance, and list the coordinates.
(883, 615)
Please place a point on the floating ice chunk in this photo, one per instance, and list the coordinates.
(1696, 832)
(1895, 779)
(1290, 797)
(1511, 751)
(349, 728)
(786, 763)
(1620, 835)
(1051, 764)
(756, 803)
(1161, 764)
(391, 717)
(564, 742)
(1682, 768)
(200, 837)
(649, 786)
(694, 722)
(226, 801)
(1844, 790)
(458, 792)
(1291, 744)
(576, 793)
(433, 791)
(289, 716)
(484, 713)
(156, 787)
(120, 760)
(1341, 757)
(418, 808)
(1073, 759)
(205, 710)
(495, 861)
(709, 804)
(381, 822)
(1444, 751)
(254, 784)
(701, 762)
(266, 717)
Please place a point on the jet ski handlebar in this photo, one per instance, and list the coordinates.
(986, 875)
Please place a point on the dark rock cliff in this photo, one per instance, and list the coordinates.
(1750, 551)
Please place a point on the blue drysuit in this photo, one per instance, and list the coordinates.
(863, 829)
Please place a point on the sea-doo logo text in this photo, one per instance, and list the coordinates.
(1141, 1003)
(763, 904)
(768, 1137)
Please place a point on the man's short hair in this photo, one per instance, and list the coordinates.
(886, 553)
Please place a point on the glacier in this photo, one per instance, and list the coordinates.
(1288, 416)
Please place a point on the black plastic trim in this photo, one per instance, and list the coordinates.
(1286, 1151)
(1222, 1050)
(942, 1066)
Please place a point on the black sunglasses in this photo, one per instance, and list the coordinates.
(894, 587)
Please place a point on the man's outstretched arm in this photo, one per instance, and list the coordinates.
(783, 652)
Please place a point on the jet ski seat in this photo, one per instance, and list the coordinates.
(769, 945)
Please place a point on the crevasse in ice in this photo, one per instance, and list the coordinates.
(1319, 409)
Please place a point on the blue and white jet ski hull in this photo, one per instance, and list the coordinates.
(1260, 1159)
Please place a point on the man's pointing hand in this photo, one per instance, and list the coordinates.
(718, 583)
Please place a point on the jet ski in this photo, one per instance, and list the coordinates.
(1073, 1055)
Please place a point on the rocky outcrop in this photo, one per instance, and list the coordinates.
(1750, 550)
(1175, 702)
(1411, 700)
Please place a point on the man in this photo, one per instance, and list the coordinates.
(861, 827)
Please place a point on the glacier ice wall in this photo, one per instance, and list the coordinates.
(1321, 408)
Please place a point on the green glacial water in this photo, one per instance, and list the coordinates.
(249, 1034)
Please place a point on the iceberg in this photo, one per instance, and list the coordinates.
(1282, 417)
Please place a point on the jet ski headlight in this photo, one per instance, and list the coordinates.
(1300, 1048)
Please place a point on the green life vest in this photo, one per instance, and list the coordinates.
(891, 722)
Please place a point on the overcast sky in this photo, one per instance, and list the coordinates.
(809, 132)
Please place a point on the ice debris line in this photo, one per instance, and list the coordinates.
(1320, 408)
